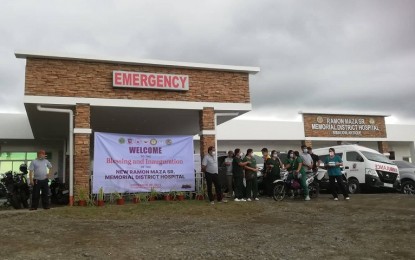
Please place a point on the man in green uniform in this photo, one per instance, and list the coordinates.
(300, 169)
(273, 171)
(251, 176)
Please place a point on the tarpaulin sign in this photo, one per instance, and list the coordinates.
(138, 163)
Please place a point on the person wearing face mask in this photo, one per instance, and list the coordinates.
(316, 159)
(289, 161)
(288, 164)
(210, 168)
(251, 176)
(299, 171)
(238, 174)
(229, 176)
(264, 170)
(332, 164)
(39, 174)
(273, 167)
(307, 160)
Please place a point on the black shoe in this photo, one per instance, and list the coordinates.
(32, 209)
(46, 208)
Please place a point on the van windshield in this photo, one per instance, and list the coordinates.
(258, 159)
(376, 157)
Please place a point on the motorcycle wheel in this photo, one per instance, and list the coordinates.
(313, 190)
(279, 192)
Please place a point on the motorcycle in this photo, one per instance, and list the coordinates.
(15, 189)
(5, 197)
(285, 185)
(59, 192)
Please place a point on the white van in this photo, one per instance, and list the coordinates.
(364, 167)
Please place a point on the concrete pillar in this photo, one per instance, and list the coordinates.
(82, 159)
(412, 150)
(207, 129)
(307, 143)
(383, 147)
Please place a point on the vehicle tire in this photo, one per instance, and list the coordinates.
(279, 191)
(62, 199)
(313, 190)
(408, 187)
(353, 186)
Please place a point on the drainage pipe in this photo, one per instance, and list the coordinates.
(70, 112)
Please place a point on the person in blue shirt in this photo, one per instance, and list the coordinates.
(332, 164)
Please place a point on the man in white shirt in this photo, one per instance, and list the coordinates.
(229, 176)
(307, 160)
(210, 168)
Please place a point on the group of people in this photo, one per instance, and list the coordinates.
(240, 167)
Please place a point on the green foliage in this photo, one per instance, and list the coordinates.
(101, 194)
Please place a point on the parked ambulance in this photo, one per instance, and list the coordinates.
(364, 167)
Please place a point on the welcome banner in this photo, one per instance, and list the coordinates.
(138, 163)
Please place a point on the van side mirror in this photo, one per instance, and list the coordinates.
(360, 159)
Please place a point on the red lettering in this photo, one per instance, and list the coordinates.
(175, 81)
(385, 168)
(117, 78)
(160, 81)
(151, 80)
(136, 79)
(167, 81)
(183, 80)
(143, 80)
(126, 79)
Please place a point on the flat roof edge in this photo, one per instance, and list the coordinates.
(343, 114)
(148, 62)
(133, 103)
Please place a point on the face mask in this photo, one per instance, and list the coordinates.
(331, 153)
(291, 155)
(213, 153)
(241, 155)
(274, 155)
(305, 150)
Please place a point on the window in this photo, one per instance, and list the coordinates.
(12, 156)
(375, 157)
(324, 156)
(354, 157)
(404, 164)
(11, 161)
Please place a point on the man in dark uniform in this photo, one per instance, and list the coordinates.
(316, 159)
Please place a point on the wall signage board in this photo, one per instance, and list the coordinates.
(327, 125)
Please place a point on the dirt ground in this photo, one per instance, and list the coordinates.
(369, 226)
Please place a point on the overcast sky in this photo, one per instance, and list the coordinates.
(326, 56)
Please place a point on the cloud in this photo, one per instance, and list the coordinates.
(337, 56)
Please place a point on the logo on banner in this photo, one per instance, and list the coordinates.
(169, 142)
(121, 140)
(153, 141)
